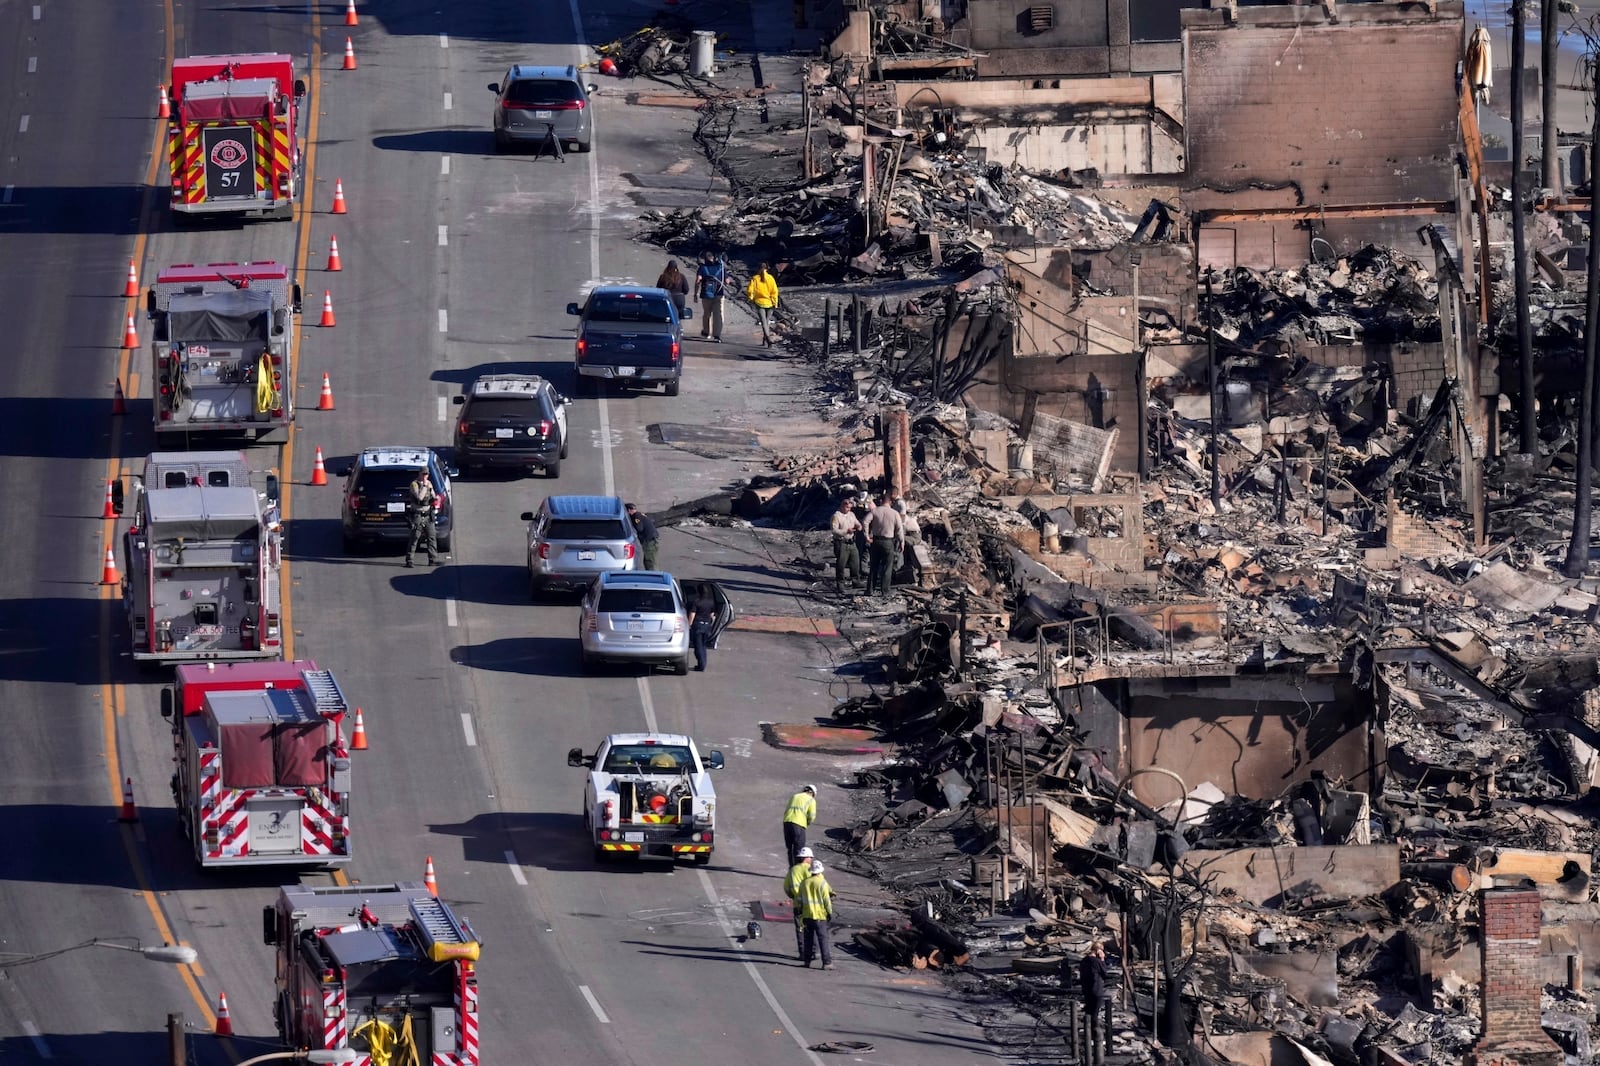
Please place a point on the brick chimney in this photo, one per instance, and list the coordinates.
(1512, 983)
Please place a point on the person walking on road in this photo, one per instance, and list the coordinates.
(792, 881)
(649, 537)
(886, 532)
(797, 819)
(1092, 988)
(419, 512)
(676, 284)
(711, 283)
(846, 555)
(763, 292)
(816, 903)
(702, 616)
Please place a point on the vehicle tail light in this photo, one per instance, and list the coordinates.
(607, 810)
(565, 105)
(674, 351)
(593, 624)
(438, 503)
(677, 625)
(461, 427)
(628, 551)
(583, 348)
(213, 835)
(356, 501)
(544, 428)
(544, 551)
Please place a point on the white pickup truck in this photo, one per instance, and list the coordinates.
(650, 795)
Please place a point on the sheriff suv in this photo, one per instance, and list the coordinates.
(533, 102)
(375, 486)
(512, 420)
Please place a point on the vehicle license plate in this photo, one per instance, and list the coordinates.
(543, 114)
(635, 625)
(627, 371)
(585, 557)
(503, 433)
(633, 838)
(394, 508)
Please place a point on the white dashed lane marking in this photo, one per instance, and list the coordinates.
(594, 1005)
(444, 164)
(444, 321)
(444, 236)
(516, 868)
(471, 734)
(447, 101)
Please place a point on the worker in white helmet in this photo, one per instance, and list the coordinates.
(802, 811)
(816, 897)
(791, 887)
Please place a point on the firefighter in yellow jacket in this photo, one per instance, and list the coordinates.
(797, 819)
(792, 883)
(763, 293)
(816, 905)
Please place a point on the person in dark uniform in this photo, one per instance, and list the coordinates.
(419, 512)
(1092, 987)
(702, 615)
(649, 536)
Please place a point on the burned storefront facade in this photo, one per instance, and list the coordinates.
(1231, 633)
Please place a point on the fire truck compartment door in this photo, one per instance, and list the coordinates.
(443, 1023)
(275, 824)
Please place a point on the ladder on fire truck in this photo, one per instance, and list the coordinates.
(443, 934)
(325, 692)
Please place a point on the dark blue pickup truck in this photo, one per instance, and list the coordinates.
(630, 334)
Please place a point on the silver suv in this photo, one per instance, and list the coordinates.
(574, 539)
(531, 102)
(642, 616)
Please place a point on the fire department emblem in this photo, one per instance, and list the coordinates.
(229, 155)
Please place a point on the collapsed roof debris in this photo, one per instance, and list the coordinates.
(1287, 738)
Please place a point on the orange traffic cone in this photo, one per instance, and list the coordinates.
(319, 476)
(165, 110)
(130, 336)
(358, 739)
(430, 882)
(338, 196)
(108, 573)
(333, 254)
(224, 1023)
(119, 402)
(132, 286)
(350, 14)
(110, 509)
(130, 813)
(327, 310)
(349, 55)
(325, 401)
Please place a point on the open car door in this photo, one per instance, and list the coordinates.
(725, 613)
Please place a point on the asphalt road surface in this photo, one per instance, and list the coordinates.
(455, 261)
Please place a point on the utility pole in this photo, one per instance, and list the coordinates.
(1211, 365)
(1548, 39)
(1577, 560)
(1529, 443)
